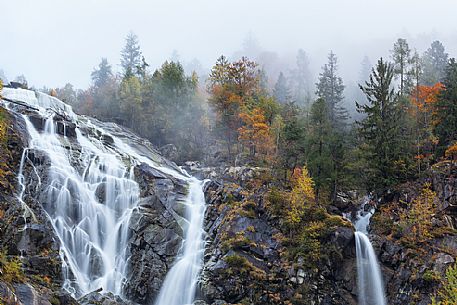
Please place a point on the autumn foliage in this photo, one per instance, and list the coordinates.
(255, 132)
(416, 220)
(302, 194)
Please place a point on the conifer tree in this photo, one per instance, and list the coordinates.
(131, 55)
(379, 129)
(102, 74)
(435, 60)
(319, 147)
(446, 109)
(401, 56)
(281, 91)
(330, 88)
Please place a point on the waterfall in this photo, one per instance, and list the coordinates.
(89, 198)
(369, 278)
(181, 281)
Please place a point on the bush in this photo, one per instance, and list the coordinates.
(11, 269)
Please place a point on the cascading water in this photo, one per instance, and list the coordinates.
(90, 202)
(369, 278)
(181, 281)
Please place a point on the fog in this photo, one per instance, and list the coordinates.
(53, 42)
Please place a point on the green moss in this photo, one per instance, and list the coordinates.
(11, 269)
(431, 276)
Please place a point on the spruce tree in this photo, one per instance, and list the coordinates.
(281, 91)
(301, 80)
(435, 61)
(101, 75)
(446, 109)
(379, 129)
(330, 88)
(131, 56)
(319, 147)
(401, 56)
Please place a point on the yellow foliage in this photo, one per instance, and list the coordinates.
(451, 151)
(11, 270)
(255, 132)
(302, 193)
(419, 215)
(448, 292)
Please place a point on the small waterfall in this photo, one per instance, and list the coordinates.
(89, 196)
(369, 278)
(180, 283)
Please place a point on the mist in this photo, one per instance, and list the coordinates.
(56, 42)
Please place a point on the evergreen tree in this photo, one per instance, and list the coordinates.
(281, 91)
(102, 75)
(300, 80)
(446, 109)
(435, 60)
(330, 88)
(131, 56)
(319, 147)
(292, 143)
(379, 129)
(401, 56)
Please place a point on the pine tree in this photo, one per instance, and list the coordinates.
(101, 75)
(401, 56)
(379, 129)
(131, 55)
(446, 109)
(435, 60)
(319, 147)
(281, 91)
(330, 88)
(301, 80)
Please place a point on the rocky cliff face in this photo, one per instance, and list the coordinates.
(31, 265)
(248, 258)
(245, 261)
(413, 269)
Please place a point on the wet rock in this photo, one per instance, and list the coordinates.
(169, 151)
(27, 295)
(99, 298)
(65, 128)
(8, 296)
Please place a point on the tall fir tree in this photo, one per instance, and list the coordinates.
(102, 74)
(300, 80)
(131, 56)
(401, 56)
(379, 129)
(281, 90)
(435, 61)
(330, 88)
(319, 147)
(446, 109)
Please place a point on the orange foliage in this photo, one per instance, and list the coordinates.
(424, 97)
(255, 132)
(451, 152)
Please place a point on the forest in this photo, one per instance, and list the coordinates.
(285, 156)
(406, 122)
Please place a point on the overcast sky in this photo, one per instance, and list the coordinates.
(53, 42)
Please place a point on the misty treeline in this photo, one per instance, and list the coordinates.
(407, 114)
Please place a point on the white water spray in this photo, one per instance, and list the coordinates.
(369, 278)
(90, 200)
(180, 284)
